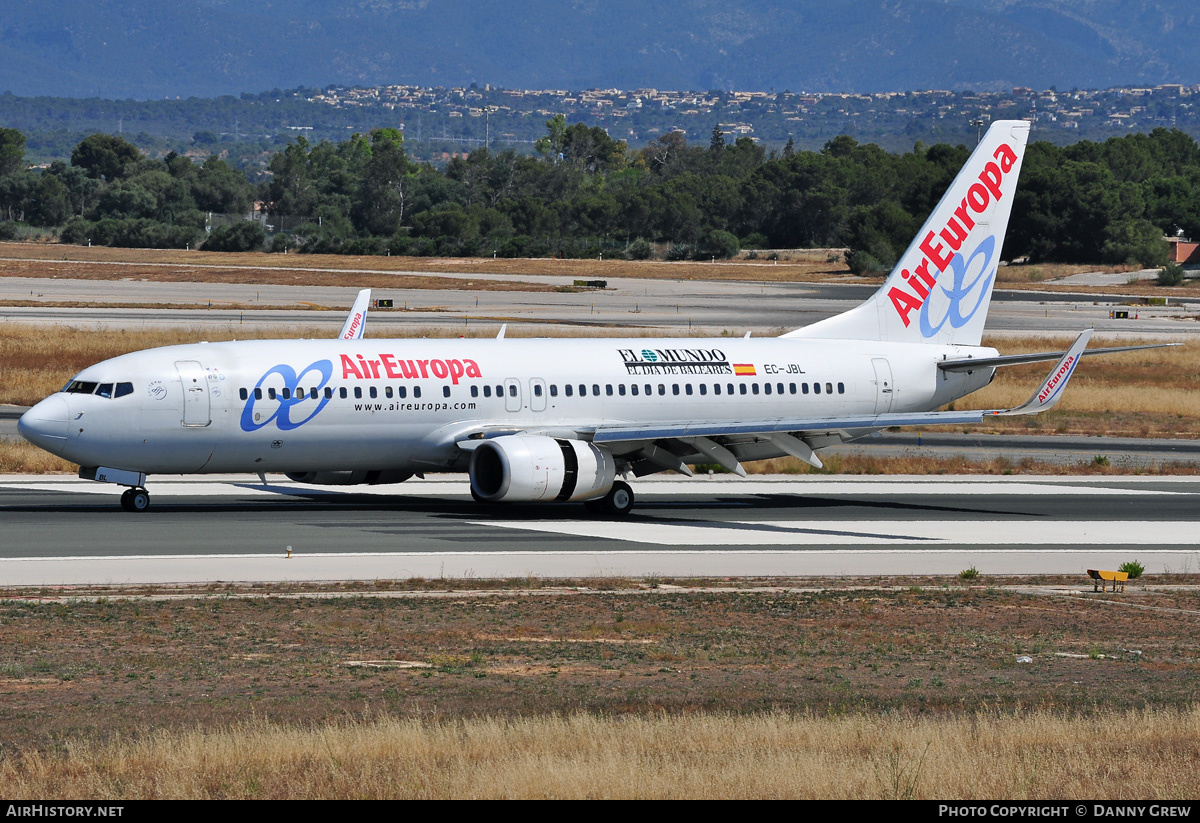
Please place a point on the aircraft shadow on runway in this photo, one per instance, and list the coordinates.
(462, 508)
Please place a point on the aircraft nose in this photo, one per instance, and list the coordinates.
(45, 425)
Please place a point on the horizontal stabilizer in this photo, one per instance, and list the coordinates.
(972, 363)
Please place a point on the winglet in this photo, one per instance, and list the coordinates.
(357, 321)
(1051, 390)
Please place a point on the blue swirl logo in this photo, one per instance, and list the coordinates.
(960, 291)
(286, 396)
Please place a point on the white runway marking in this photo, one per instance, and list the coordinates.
(1006, 533)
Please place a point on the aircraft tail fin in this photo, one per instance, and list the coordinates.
(940, 289)
(356, 322)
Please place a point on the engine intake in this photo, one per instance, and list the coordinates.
(527, 468)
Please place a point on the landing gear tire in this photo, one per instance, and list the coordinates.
(135, 500)
(619, 500)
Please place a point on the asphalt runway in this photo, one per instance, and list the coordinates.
(667, 307)
(65, 531)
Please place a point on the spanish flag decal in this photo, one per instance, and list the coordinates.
(744, 369)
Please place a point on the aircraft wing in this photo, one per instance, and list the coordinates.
(793, 435)
(356, 322)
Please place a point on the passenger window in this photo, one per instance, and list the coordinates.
(271, 393)
(312, 393)
(634, 389)
(729, 388)
(373, 391)
(499, 391)
(416, 391)
(687, 389)
(716, 388)
(742, 388)
(358, 392)
(287, 393)
(608, 389)
(662, 389)
(767, 388)
(402, 392)
(474, 391)
(342, 392)
(779, 387)
(703, 388)
(675, 388)
(445, 391)
(487, 391)
(242, 393)
(596, 389)
(569, 390)
(512, 390)
(841, 388)
(554, 390)
(649, 390)
(387, 391)
(328, 393)
(537, 389)
(829, 388)
(804, 388)
(792, 387)
(816, 388)
(621, 389)
(754, 388)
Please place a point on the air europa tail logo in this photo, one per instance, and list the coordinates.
(941, 249)
(355, 325)
(363, 368)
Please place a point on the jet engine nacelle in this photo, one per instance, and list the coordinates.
(348, 478)
(526, 468)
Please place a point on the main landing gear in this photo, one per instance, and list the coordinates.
(617, 503)
(135, 500)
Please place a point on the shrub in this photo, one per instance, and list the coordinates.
(1171, 274)
(639, 250)
(245, 235)
(755, 240)
(723, 244)
(864, 263)
(1133, 568)
(679, 251)
(969, 574)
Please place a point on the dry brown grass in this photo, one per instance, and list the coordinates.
(1034, 756)
(805, 687)
(19, 457)
(31, 259)
(1137, 394)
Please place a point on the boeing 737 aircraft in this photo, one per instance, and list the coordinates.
(542, 420)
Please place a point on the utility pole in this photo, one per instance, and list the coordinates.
(978, 124)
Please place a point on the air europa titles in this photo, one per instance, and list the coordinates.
(362, 368)
(1063, 371)
(941, 248)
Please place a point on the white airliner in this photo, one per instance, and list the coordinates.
(547, 420)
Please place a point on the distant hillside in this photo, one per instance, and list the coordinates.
(147, 48)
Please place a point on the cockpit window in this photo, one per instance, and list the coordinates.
(105, 390)
(81, 387)
(123, 389)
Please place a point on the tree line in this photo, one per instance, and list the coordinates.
(581, 194)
